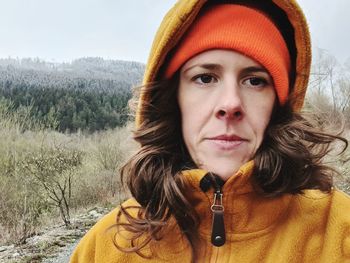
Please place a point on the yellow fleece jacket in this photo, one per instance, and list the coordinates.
(313, 227)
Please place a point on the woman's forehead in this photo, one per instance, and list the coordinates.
(217, 59)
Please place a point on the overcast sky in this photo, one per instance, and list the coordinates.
(62, 30)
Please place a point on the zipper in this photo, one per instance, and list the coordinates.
(218, 235)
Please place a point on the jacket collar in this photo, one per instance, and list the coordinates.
(246, 213)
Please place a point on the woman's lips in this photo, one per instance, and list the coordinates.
(227, 142)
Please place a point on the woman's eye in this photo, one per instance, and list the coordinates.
(204, 79)
(256, 82)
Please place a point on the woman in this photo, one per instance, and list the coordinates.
(228, 170)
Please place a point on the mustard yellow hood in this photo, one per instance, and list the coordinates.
(181, 16)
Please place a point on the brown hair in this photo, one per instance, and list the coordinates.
(153, 173)
(288, 162)
(290, 158)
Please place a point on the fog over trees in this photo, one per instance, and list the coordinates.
(87, 94)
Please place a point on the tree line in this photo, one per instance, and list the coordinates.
(88, 94)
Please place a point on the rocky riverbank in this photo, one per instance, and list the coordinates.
(47, 246)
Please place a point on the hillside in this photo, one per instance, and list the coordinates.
(87, 94)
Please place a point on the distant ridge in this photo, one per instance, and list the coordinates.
(87, 94)
(33, 71)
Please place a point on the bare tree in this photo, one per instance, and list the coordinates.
(53, 170)
(329, 88)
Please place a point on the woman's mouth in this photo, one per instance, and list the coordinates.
(227, 142)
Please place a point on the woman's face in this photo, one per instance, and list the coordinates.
(226, 100)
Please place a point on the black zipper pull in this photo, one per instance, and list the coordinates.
(218, 237)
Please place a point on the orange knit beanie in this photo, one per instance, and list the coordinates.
(240, 28)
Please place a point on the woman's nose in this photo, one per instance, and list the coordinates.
(229, 106)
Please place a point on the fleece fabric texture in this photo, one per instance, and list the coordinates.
(176, 23)
(313, 227)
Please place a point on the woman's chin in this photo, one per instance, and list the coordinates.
(224, 171)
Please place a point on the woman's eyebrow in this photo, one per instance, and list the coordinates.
(213, 66)
(254, 69)
(209, 66)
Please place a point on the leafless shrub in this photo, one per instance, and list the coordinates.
(53, 169)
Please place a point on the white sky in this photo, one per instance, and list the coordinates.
(62, 30)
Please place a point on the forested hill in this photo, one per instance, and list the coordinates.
(87, 94)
